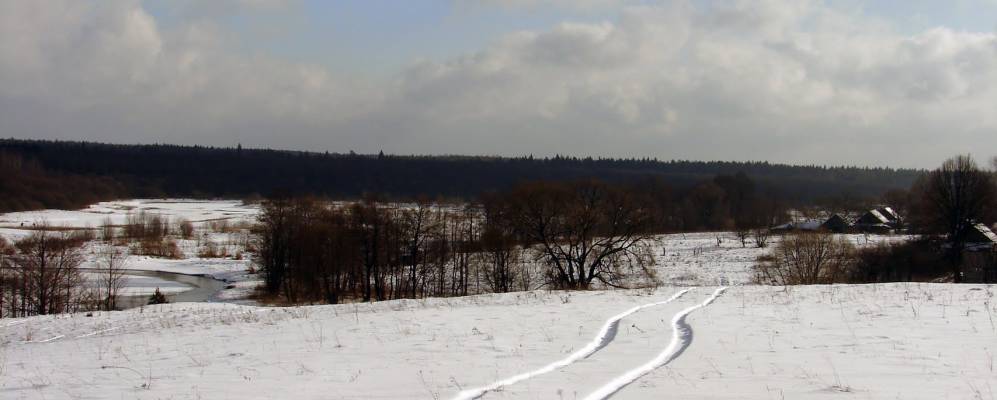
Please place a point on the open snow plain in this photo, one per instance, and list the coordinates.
(906, 341)
(705, 334)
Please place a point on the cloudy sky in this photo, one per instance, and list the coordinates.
(889, 82)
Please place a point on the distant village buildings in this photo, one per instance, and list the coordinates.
(878, 220)
(979, 252)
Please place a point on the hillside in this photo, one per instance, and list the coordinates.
(873, 341)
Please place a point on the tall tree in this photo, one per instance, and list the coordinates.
(951, 199)
(111, 277)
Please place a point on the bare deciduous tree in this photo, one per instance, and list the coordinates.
(581, 229)
(761, 236)
(111, 274)
(8, 280)
(742, 235)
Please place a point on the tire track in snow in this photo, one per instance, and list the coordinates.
(98, 332)
(51, 339)
(681, 338)
(602, 339)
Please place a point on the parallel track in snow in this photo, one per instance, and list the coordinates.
(602, 339)
(681, 339)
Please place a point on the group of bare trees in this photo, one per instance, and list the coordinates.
(315, 251)
(556, 235)
(40, 274)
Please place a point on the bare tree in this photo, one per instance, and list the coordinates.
(761, 236)
(418, 224)
(581, 230)
(499, 245)
(111, 274)
(273, 242)
(950, 200)
(8, 280)
(742, 235)
(806, 259)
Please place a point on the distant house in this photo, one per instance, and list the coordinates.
(981, 235)
(809, 225)
(979, 256)
(878, 220)
(837, 224)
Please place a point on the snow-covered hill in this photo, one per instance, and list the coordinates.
(909, 341)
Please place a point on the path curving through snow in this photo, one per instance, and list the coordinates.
(602, 339)
(681, 338)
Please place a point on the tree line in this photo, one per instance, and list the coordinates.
(563, 235)
(106, 171)
(25, 184)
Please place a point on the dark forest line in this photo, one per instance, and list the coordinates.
(38, 174)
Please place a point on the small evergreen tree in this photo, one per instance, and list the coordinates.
(158, 298)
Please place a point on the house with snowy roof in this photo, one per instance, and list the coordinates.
(878, 220)
(837, 224)
(797, 226)
(981, 235)
(979, 256)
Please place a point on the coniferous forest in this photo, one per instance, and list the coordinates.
(38, 174)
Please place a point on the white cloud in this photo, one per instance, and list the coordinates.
(777, 79)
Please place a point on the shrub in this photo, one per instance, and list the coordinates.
(806, 259)
(107, 231)
(762, 237)
(220, 226)
(186, 229)
(918, 260)
(212, 250)
(158, 248)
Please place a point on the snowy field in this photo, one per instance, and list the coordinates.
(696, 259)
(897, 341)
(689, 339)
(202, 214)
(118, 211)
